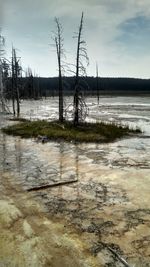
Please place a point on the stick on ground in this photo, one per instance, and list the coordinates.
(118, 257)
(51, 185)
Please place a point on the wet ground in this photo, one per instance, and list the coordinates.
(109, 207)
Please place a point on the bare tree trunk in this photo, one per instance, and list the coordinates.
(59, 50)
(13, 83)
(80, 109)
(18, 101)
(13, 91)
(2, 43)
(60, 82)
(16, 81)
(15, 86)
(1, 90)
(97, 83)
(76, 95)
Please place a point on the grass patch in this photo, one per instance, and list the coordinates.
(85, 132)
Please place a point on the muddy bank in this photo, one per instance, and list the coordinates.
(107, 208)
(29, 238)
(107, 211)
(77, 224)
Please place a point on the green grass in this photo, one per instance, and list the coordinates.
(85, 132)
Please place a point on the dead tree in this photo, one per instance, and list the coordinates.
(4, 73)
(58, 40)
(13, 84)
(97, 83)
(80, 71)
(16, 71)
(2, 42)
(30, 83)
(5, 77)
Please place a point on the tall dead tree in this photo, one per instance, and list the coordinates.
(58, 39)
(4, 73)
(2, 100)
(80, 71)
(13, 84)
(5, 77)
(16, 71)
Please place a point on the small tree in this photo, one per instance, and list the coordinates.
(30, 83)
(58, 40)
(97, 83)
(80, 71)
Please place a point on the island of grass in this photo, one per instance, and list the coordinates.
(84, 132)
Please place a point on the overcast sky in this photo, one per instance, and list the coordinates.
(117, 33)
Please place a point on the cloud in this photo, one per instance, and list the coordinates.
(135, 33)
(116, 31)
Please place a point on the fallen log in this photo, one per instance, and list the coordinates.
(122, 260)
(51, 185)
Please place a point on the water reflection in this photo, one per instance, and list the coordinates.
(36, 164)
(18, 154)
(68, 165)
(4, 156)
(77, 175)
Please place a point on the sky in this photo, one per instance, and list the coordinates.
(117, 34)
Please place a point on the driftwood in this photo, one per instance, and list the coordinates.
(118, 257)
(51, 185)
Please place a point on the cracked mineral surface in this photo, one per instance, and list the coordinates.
(77, 224)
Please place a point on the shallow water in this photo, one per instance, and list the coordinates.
(109, 205)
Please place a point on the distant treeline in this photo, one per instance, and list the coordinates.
(93, 86)
(43, 87)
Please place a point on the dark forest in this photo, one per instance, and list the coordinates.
(36, 87)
